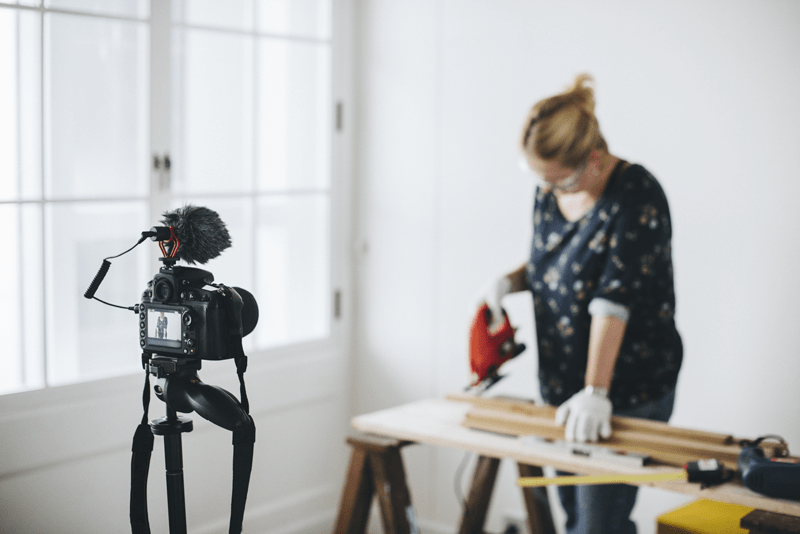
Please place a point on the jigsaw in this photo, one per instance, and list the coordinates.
(489, 348)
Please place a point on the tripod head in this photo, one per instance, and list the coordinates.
(179, 386)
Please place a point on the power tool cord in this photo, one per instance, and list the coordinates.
(458, 484)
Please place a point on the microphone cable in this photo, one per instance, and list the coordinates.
(103, 271)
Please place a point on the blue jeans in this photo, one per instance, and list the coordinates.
(607, 508)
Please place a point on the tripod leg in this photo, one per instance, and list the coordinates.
(176, 501)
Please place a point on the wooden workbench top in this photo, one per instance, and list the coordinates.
(438, 422)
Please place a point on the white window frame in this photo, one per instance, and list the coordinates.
(112, 395)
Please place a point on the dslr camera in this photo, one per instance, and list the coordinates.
(183, 314)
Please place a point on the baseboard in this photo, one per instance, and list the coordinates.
(431, 527)
(318, 523)
(308, 512)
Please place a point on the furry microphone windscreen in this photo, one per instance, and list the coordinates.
(201, 233)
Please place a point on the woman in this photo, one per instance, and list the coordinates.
(600, 273)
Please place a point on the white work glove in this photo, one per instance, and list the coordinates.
(587, 415)
(492, 295)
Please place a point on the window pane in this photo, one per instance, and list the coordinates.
(20, 97)
(294, 115)
(120, 8)
(22, 357)
(302, 18)
(293, 274)
(96, 96)
(86, 339)
(212, 112)
(229, 14)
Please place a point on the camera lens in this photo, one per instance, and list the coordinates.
(163, 291)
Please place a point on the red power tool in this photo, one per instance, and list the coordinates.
(489, 348)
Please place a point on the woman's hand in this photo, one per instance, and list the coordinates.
(496, 289)
(492, 294)
(587, 415)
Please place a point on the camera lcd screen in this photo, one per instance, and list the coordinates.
(164, 328)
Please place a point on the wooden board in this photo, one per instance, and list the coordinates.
(662, 442)
(528, 407)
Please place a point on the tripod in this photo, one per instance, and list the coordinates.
(178, 385)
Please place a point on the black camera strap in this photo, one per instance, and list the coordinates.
(243, 446)
(244, 439)
(140, 462)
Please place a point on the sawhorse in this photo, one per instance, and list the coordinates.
(376, 465)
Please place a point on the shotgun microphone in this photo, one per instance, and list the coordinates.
(200, 233)
(194, 234)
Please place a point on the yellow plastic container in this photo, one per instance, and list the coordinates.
(704, 517)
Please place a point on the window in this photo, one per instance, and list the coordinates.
(113, 112)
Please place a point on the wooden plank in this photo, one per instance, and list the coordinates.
(528, 407)
(662, 449)
(492, 421)
(660, 441)
(374, 442)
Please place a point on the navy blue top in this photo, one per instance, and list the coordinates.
(617, 257)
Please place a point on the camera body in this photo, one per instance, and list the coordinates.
(179, 317)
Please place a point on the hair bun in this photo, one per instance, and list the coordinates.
(582, 93)
(563, 127)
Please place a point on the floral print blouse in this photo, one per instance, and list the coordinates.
(616, 260)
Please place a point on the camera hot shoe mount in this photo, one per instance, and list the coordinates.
(169, 247)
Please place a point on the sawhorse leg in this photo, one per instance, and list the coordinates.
(540, 520)
(376, 466)
(480, 493)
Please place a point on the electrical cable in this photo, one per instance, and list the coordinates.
(141, 240)
(130, 308)
(458, 479)
(101, 274)
(457, 483)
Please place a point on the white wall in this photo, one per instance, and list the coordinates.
(701, 93)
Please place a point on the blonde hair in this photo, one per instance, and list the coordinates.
(563, 127)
